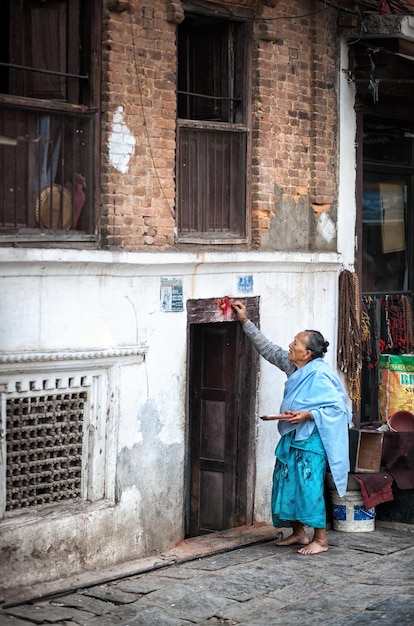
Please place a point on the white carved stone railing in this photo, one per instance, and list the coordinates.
(72, 355)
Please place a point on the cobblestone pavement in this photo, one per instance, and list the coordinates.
(364, 578)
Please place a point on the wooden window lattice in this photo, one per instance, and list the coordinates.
(44, 442)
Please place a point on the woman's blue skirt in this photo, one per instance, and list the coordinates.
(298, 481)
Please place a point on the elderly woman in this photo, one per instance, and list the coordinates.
(313, 424)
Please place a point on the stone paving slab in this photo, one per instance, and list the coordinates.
(191, 602)
(373, 618)
(43, 613)
(110, 593)
(147, 617)
(391, 540)
(227, 559)
(118, 616)
(142, 584)
(287, 617)
(330, 614)
(243, 585)
(178, 572)
(79, 617)
(247, 612)
(9, 620)
(85, 602)
(403, 605)
(352, 595)
(396, 569)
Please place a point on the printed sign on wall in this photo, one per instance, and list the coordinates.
(245, 284)
(171, 294)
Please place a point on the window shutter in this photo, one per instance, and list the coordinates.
(211, 198)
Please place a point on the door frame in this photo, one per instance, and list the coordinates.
(398, 116)
(205, 311)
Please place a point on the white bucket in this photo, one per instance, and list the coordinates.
(352, 485)
(350, 514)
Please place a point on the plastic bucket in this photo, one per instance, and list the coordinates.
(350, 515)
(352, 485)
(401, 422)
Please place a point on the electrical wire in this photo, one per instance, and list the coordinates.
(229, 14)
(335, 5)
(289, 17)
(145, 119)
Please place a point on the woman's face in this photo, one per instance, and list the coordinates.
(298, 352)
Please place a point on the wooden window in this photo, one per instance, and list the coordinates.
(213, 133)
(48, 119)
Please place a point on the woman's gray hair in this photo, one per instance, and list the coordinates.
(316, 344)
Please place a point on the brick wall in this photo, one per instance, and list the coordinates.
(139, 77)
(294, 120)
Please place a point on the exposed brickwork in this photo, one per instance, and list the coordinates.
(294, 117)
(139, 70)
(294, 112)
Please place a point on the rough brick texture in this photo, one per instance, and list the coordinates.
(294, 120)
(139, 75)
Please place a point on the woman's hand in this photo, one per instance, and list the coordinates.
(241, 312)
(297, 417)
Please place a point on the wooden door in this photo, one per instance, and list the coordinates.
(220, 426)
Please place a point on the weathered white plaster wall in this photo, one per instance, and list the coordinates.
(66, 300)
(121, 142)
(347, 165)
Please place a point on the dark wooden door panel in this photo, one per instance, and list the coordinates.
(213, 430)
(213, 426)
(211, 510)
(221, 413)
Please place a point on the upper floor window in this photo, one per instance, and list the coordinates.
(213, 130)
(48, 112)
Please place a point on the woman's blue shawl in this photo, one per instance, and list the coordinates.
(315, 387)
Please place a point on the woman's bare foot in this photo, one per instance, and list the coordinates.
(314, 547)
(300, 538)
